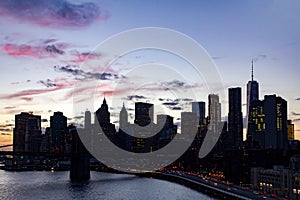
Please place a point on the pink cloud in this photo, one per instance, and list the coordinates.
(27, 98)
(25, 50)
(26, 95)
(83, 57)
(22, 50)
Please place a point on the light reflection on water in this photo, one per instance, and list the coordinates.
(47, 185)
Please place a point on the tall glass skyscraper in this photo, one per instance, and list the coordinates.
(235, 116)
(199, 109)
(214, 115)
(252, 95)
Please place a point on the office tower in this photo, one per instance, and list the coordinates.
(123, 117)
(124, 137)
(87, 119)
(58, 125)
(144, 113)
(252, 95)
(188, 123)
(46, 140)
(199, 109)
(258, 123)
(168, 129)
(102, 114)
(276, 121)
(214, 117)
(235, 117)
(291, 131)
(269, 119)
(27, 133)
(103, 117)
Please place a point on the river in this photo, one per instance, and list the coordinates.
(56, 185)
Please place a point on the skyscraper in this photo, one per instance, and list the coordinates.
(123, 121)
(252, 95)
(199, 109)
(103, 117)
(27, 133)
(188, 123)
(258, 124)
(144, 113)
(214, 117)
(275, 109)
(87, 119)
(235, 117)
(58, 133)
(102, 114)
(269, 119)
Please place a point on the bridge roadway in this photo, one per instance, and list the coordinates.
(216, 189)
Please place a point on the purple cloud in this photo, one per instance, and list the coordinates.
(54, 13)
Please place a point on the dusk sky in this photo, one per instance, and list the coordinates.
(44, 43)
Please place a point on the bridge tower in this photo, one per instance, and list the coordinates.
(80, 159)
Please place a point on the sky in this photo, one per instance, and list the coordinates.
(45, 47)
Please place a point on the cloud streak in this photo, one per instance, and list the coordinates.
(27, 95)
(83, 75)
(295, 120)
(47, 83)
(295, 114)
(54, 13)
(260, 57)
(26, 50)
(83, 57)
(176, 84)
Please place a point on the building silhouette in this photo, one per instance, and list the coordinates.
(168, 131)
(124, 140)
(46, 141)
(58, 132)
(27, 133)
(269, 121)
(138, 138)
(103, 117)
(291, 130)
(144, 113)
(252, 95)
(123, 118)
(214, 108)
(235, 117)
(199, 109)
(87, 119)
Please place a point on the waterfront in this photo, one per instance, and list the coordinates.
(56, 185)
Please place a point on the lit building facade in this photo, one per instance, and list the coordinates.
(284, 182)
(269, 122)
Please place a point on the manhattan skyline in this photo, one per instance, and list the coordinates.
(41, 57)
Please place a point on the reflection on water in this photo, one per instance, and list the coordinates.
(47, 185)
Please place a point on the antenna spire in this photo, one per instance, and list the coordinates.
(252, 71)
